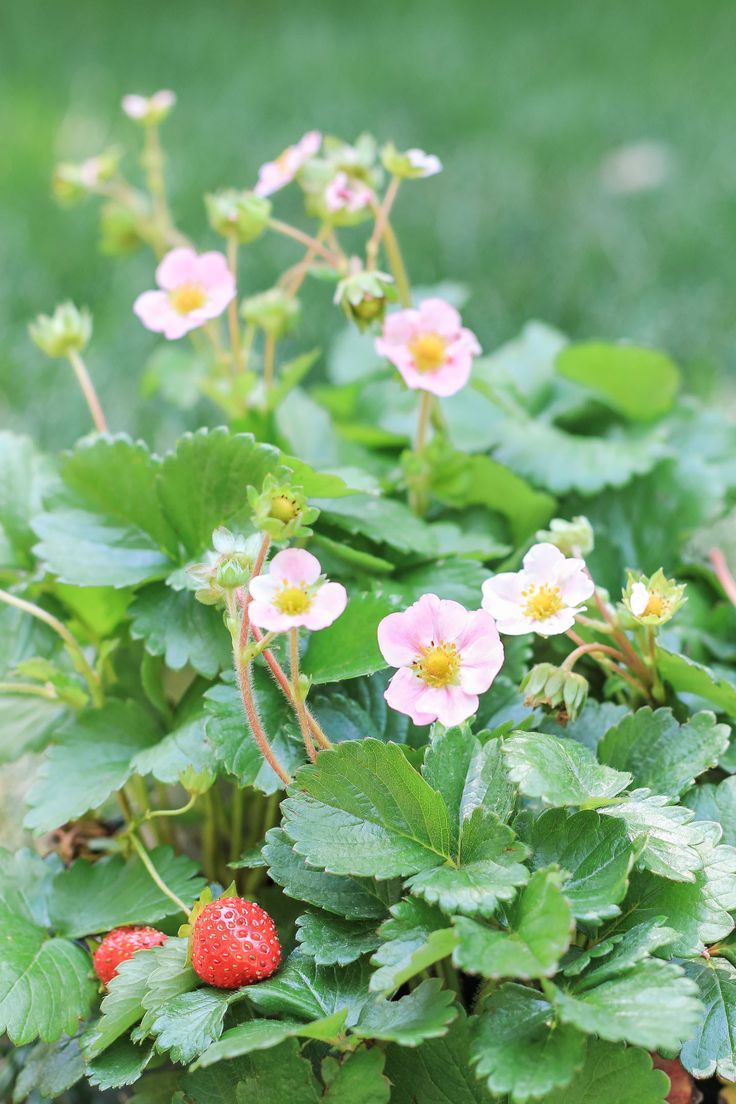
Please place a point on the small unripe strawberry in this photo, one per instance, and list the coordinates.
(234, 943)
(121, 944)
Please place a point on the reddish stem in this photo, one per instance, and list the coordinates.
(724, 576)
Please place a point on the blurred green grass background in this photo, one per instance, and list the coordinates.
(524, 102)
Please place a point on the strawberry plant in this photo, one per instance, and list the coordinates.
(380, 727)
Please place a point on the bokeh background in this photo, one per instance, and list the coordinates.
(589, 150)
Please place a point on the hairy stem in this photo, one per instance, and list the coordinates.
(297, 695)
(88, 390)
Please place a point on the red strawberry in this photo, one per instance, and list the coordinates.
(234, 943)
(121, 944)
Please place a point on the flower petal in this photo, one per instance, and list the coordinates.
(329, 602)
(451, 704)
(295, 566)
(179, 266)
(402, 693)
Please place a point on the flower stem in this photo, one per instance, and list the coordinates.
(584, 649)
(396, 264)
(269, 361)
(72, 645)
(153, 161)
(30, 689)
(236, 824)
(298, 235)
(232, 307)
(724, 576)
(88, 390)
(278, 673)
(298, 699)
(155, 876)
(151, 813)
(418, 494)
(382, 213)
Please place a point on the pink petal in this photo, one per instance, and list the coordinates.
(179, 324)
(179, 266)
(134, 106)
(213, 272)
(552, 626)
(309, 144)
(451, 377)
(295, 566)
(402, 693)
(451, 704)
(398, 638)
(502, 597)
(400, 327)
(576, 585)
(263, 588)
(329, 602)
(451, 620)
(437, 316)
(153, 309)
(542, 562)
(266, 616)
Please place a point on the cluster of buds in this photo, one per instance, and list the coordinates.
(67, 330)
(363, 296)
(227, 566)
(73, 181)
(274, 311)
(340, 185)
(573, 538)
(555, 690)
(281, 510)
(239, 214)
(654, 600)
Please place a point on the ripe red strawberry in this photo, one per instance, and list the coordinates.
(234, 943)
(121, 944)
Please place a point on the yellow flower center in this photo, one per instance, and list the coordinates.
(293, 600)
(438, 665)
(187, 298)
(428, 351)
(656, 606)
(283, 508)
(542, 601)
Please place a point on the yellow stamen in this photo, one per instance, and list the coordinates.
(438, 665)
(187, 298)
(293, 600)
(429, 352)
(656, 606)
(542, 601)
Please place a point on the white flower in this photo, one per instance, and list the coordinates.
(544, 597)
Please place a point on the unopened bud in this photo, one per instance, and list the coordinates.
(409, 164)
(274, 311)
(67, 330)
(227, 566)
(573, 538)
(557, 691)
(363, 296)
(239, 214)
(197, 782)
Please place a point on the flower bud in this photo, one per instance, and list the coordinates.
(149, 110)
(119, 231)
(242, 215)
(226, 567)
(281, 510)
(67, 329)
(363, 297)
(557, 691)
(73, 181)
(573, 538)
(411, 164)
(274, 311)
(654, 600)
(197, 782)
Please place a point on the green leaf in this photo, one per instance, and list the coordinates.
(488, 870)
(617, 953)
(26, 724)
(122, 1005)
(189, 1023)
(666, 839)
(186, 746)
(228, 733)
(610, 1070)
(461, 480)
(358, 709)
(382, 520)
(423, 1014)
(357, 1080)
(173, 624)
(122, 1064)
(202, 483)
(438, 1072)
(264, 1034)
(711, 1049)
(662, 754)
(455, 579)
(25, 477)
(268, 1076)
(416, 936)
(594, 854)
(49, 1069)
(353, 898)
(689, 677)
(92, 759)
(560, 772)
(116, 478)
(715, 803)
(95, 897)
(168, 978)
(302, 988)
(652, 1005)
(85, 549)
(519, 1049)
(698, 911)
(333, 941)
(541, 926)
(362, 809)
(638, 383)
(45, 984)
(348, 647)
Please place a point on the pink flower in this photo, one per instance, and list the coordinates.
(149, 109)
(446, 656)
(344, 193)
(294, 595)
(195, 287)
(274, 175)
(544, 597)
(430, 347)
